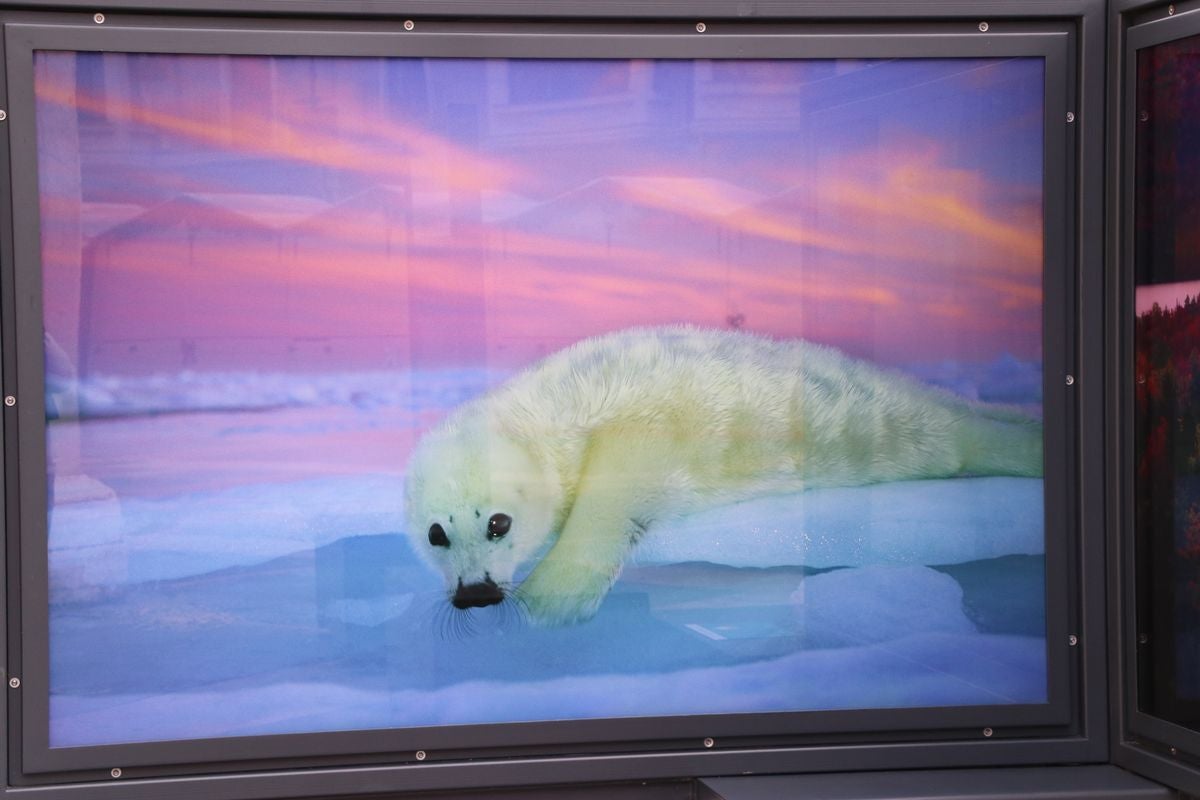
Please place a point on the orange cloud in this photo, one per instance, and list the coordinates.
(1013, 293)
(404, 152)
(901, 205)
(897, 232)
(940, 199)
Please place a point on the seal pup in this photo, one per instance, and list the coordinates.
(573, 460)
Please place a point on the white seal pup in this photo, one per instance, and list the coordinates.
(589, 449)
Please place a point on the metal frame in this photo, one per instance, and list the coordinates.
(1070, 728)
(1142, 742)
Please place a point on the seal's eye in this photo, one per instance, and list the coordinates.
(498, 525)
(437, 536)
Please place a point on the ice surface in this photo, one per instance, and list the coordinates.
(988, 670)
(1007, 380)
(880, 603)
(170, 537)
(123, 395)
(909, 522)
(916, 522)
(356, 635)
(221, 573)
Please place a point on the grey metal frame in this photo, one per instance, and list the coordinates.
(1069, 728)
(1141, 741)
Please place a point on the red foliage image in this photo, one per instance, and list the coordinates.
(1167, 403)
(1189, 555)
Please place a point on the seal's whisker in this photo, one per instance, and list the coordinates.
(453, 630)
(519, 604)
(513, 613)
(465, 622)
(450, 623)
(443, 621)
(427, 611)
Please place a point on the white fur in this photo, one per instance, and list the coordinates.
(595, 444)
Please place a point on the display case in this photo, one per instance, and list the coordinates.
(444, 397)
(1158, 121)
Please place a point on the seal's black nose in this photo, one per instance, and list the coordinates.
(477, 595)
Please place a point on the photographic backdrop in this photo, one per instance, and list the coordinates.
(1166, 374)
(266, 277)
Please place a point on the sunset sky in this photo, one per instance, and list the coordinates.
(264, 213)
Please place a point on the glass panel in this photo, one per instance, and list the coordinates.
(399, 392)
(1167, 400)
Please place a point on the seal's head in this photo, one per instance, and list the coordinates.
(478, 505)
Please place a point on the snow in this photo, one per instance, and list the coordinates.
(173, 537)
(227, 557)
(916, 522)
(1006, 380)
(894, 676)
(908, 522)
(416, 390)
(697, 639)
(880, 603)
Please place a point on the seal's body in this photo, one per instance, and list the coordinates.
(592, 447)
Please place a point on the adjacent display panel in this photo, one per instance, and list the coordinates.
(491, 400)
(1167, 333)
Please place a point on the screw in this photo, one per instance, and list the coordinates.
(99, 19)
(1144, 116)
(1174, 751)
(1070, 380)
(1070, 116)
(1072, 640)
(1171, 10)
(3, 115)
(701, 27)
(115, 772)
(409, 24)
(983, 27)
(1143, 639)
(420, 755)
(708, 741)
(987, 732)
(10, 401)
(14, 683)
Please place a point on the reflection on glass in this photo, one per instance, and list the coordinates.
(1167, 374)
(269, 283)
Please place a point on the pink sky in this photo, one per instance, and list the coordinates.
(455, 253)
(1166, 295)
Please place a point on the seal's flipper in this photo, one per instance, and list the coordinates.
(568, 585)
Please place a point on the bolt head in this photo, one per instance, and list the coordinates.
(708, 741)
(1070, 380)
(409, 24)
(987, 732)
(10, 401)
(115, 772)
(420, 755)
(14, 683)
(99, 19)
(1070, 116)
(1171, 10)
(701, 27)
(1072, 640)
(983, 27)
